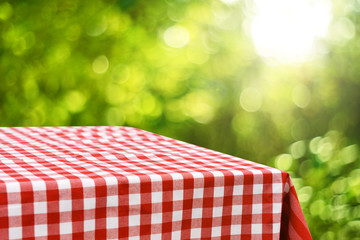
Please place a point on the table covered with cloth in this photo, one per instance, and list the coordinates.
(126, 183)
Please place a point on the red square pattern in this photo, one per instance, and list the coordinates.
(126, 183)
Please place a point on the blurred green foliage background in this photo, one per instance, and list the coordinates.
(196, 71)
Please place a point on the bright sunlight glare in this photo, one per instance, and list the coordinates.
(286, 30)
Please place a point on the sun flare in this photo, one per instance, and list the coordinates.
(287, 30)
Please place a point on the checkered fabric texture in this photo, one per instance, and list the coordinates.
(126, 183)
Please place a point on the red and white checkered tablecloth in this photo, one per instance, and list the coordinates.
(126, 183)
